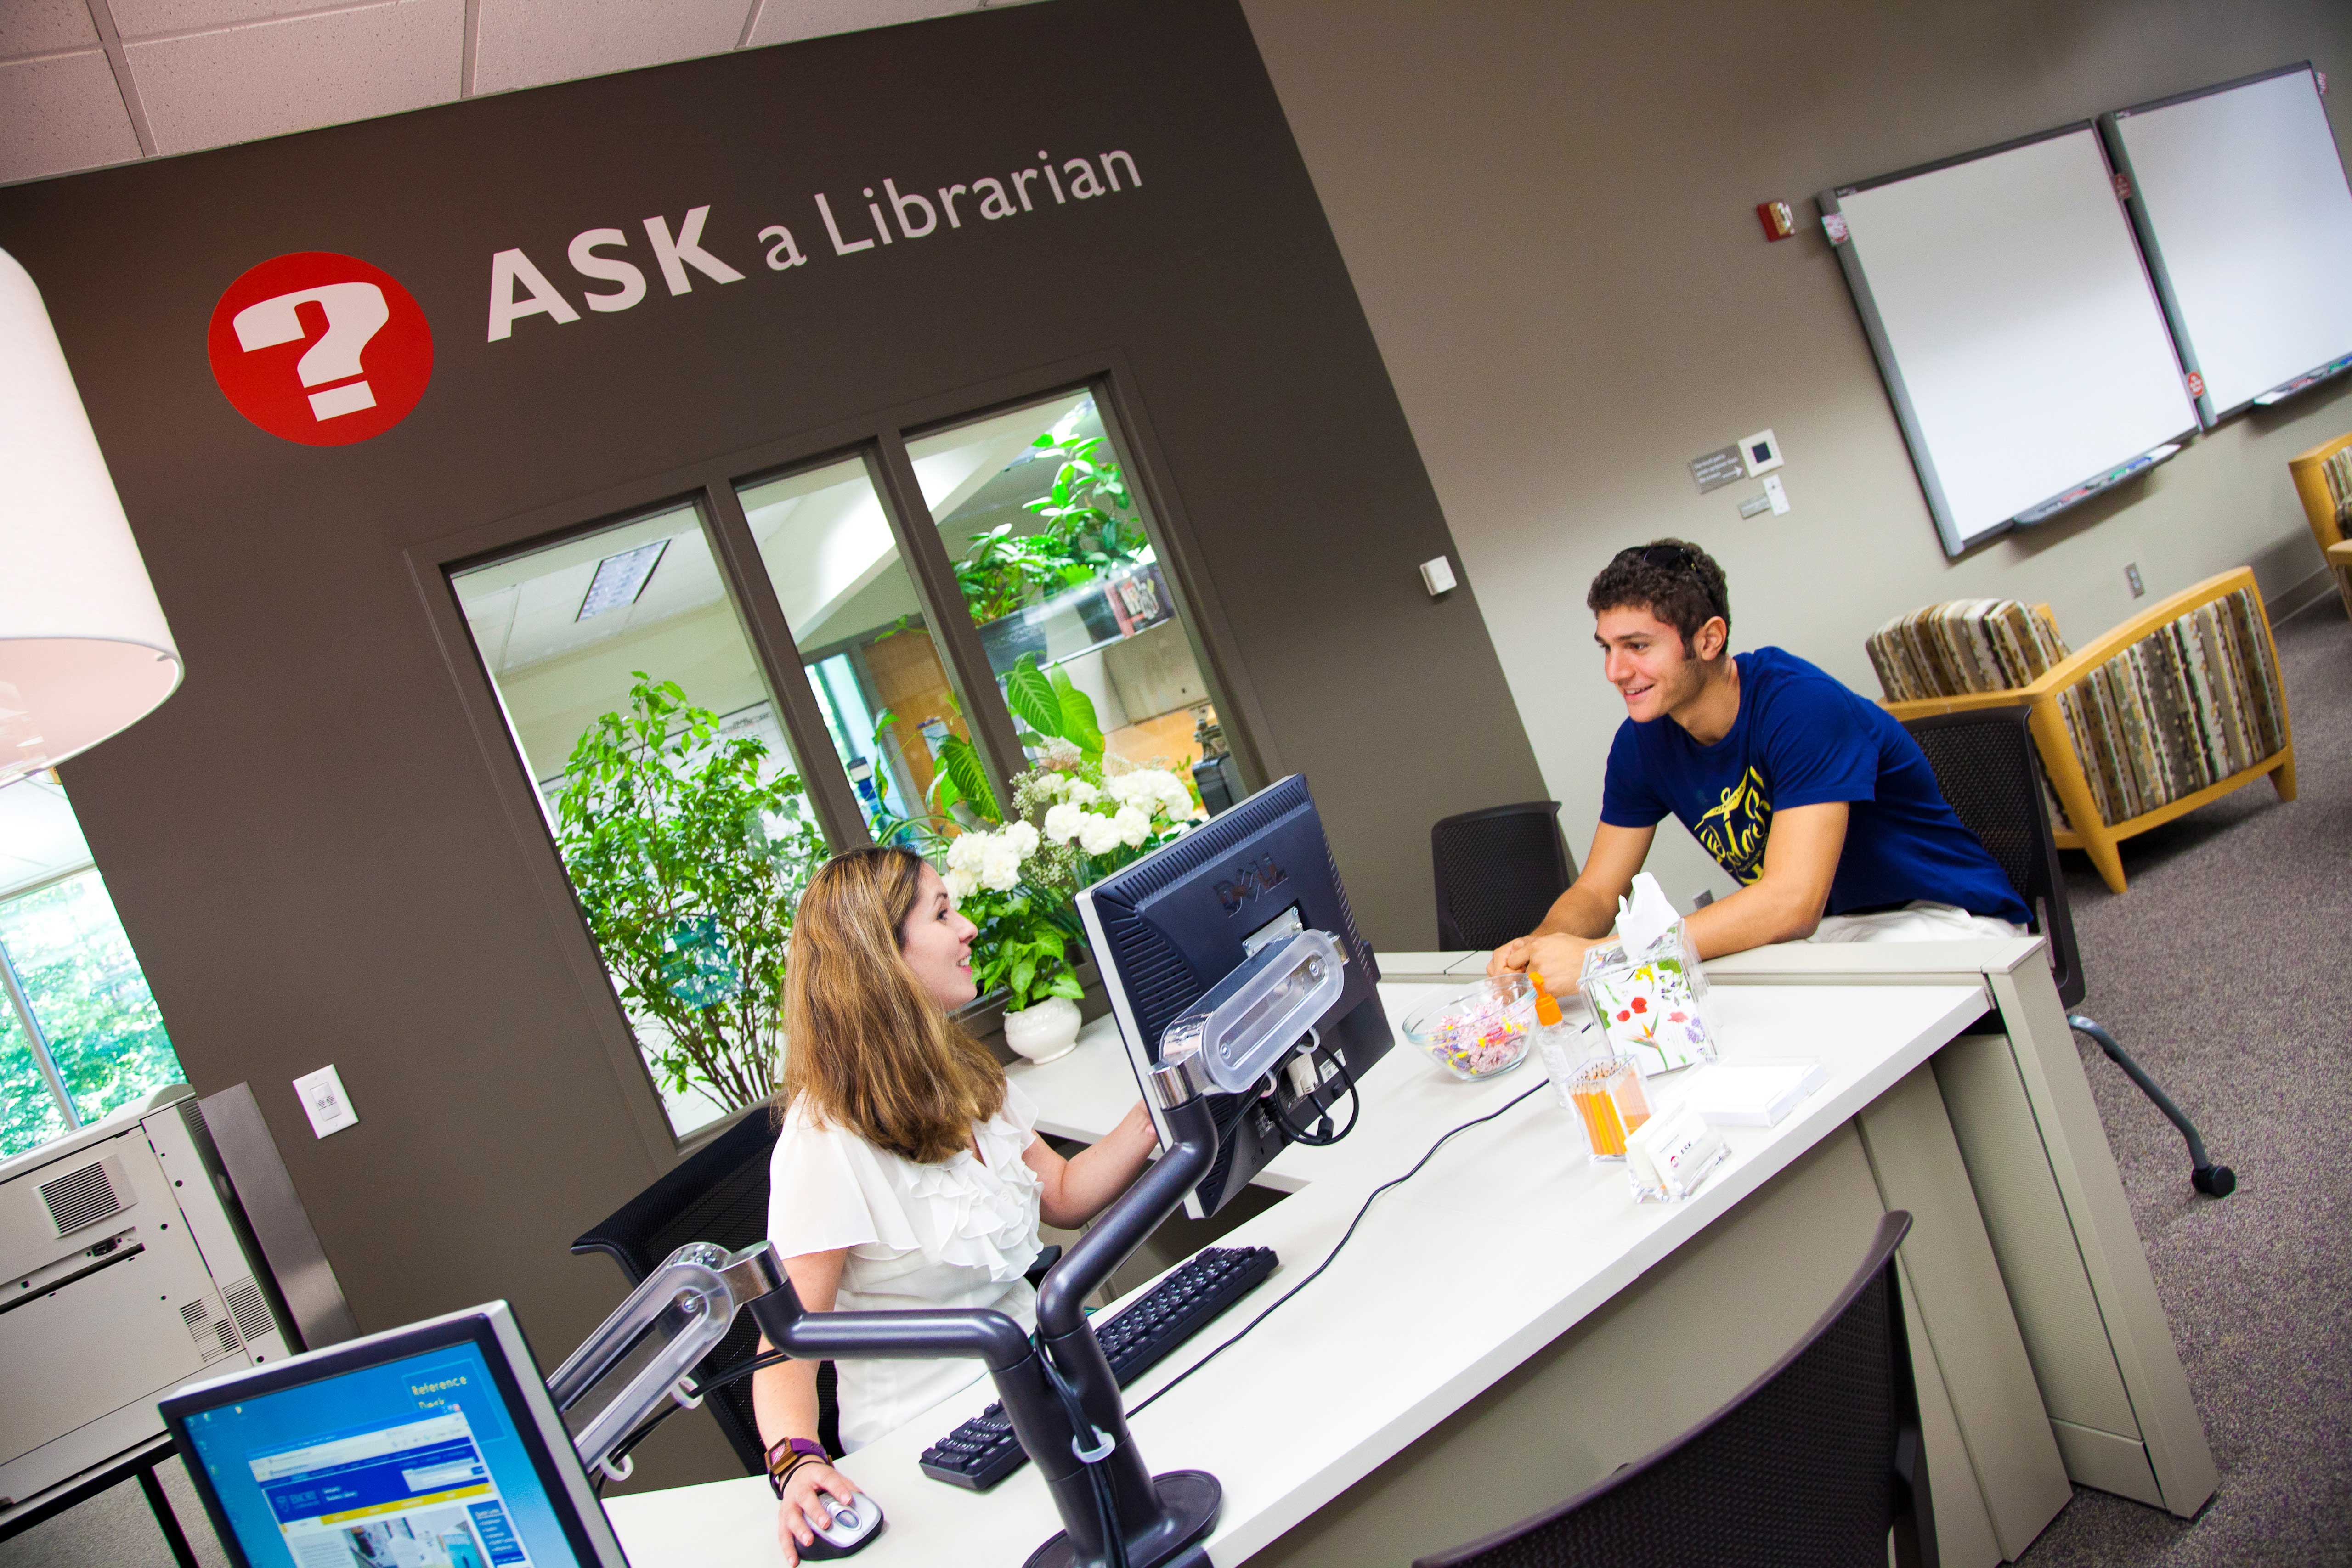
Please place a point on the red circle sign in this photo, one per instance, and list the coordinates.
(321, 348)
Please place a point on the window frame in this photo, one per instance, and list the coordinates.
(711, 487)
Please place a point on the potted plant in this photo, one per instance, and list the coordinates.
(1075, 824)
(689, 864)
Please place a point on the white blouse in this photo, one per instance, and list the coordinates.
(962, 1233)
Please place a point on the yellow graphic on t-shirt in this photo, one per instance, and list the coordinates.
(1734, 832)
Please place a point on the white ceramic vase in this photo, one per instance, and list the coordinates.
(1044, 1031)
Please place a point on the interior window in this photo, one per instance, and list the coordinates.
(851, 605)
(672, 794)
(1057, 570)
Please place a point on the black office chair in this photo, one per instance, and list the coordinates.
(1498, 872)
(1986, 765)
(1813, 1464)
(718, 1194)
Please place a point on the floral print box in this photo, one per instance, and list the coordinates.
(1654, 1011)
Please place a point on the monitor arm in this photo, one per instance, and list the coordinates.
(691, 1300)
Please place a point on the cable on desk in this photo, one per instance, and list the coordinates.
(1344, 1236)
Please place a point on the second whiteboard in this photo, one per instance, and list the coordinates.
(2016, 328)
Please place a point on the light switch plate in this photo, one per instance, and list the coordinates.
(1775, 495)
(1760, 452)
(324, 1101)
(1437, 576)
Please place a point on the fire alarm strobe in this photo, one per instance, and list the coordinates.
(1778, 222)
(1760, 452)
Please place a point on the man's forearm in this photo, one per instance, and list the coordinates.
(1583, 910)
(1755, 917)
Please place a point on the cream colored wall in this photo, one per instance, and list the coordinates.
(1549, 213)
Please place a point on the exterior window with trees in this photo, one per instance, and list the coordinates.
(80, 1035)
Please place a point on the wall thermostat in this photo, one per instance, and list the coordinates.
(1760, 452)
(1437, 576)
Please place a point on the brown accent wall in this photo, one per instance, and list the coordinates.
(321, 857)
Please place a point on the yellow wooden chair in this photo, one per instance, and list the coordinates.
(2323, 478)
(2175, 707)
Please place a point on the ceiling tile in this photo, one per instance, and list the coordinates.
(523, 43)
(60, 113)
(139, 18)
(40, 26)
(269, 79)
(782, 21)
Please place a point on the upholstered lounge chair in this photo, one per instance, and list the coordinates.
(2323, 478)
(2175, 707)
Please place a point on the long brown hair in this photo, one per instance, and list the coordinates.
(867, 1048)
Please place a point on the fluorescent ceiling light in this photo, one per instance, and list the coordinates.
(619, 578)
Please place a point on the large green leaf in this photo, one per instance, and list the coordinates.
(1079, 727)
(971, 780)
(1030, 695)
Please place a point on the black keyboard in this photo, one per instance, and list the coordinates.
(984, 1450)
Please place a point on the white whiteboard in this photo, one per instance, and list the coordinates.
(2240, 196)
(2020, 338)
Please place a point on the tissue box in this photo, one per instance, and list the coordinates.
(1652, 1005)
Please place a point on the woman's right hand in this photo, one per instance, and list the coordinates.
(811, 1493)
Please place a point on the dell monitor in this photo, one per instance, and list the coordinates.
(433, 1443)
(1169, 927)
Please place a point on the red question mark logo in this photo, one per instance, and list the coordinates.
(321, 349)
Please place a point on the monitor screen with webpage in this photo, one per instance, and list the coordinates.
(430, 1446)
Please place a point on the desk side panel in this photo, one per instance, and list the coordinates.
(1965, 1311)
(2085, 1169)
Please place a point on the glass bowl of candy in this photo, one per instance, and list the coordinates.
(1478, 1032)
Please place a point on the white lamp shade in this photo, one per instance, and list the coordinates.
(84, 649)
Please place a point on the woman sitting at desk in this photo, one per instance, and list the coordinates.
(908, 1171)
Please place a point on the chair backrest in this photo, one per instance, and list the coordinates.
(1985, 765)
(718, 1194)
(1814, 1463)
(2323, 478)
(1498, 872)
(1967, 645)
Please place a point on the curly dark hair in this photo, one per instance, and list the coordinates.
(1672, 579)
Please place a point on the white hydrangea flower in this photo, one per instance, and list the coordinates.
(999, 865)
(964, 852)
(961, 883)
(1024, 839)
(1099, 835)
(1078, 792)
(1128, 788)
(1134, 826)
(1062, 822)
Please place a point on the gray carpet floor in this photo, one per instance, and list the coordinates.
(2227, 970)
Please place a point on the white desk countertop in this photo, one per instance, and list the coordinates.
(1507, 1239)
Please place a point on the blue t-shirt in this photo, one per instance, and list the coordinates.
(1803, 739)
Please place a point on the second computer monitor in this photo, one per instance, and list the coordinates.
(1176, 922)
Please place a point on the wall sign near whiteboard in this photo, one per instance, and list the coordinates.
(2019, 333)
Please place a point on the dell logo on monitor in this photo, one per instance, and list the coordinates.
(1261, 875)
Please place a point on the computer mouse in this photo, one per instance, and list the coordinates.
(855, 1523)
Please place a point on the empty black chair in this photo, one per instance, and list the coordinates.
(718, 1194)
(1812, 1465)
(1986, 765)
(1498, 872)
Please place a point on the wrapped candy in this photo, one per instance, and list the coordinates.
(1481, 1031)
